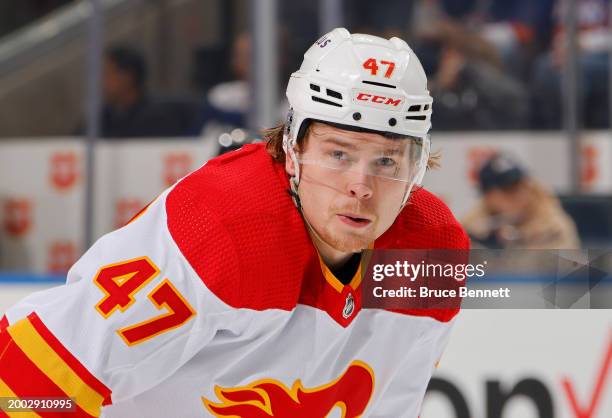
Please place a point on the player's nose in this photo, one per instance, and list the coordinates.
(360, 190)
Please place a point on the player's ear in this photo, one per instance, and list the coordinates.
(289, 166)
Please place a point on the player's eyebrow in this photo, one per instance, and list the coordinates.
(393, 151)
(339, 142)
(387, 152)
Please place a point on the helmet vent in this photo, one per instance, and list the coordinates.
(327, 102)
(333, 93)
(426, 107)
(422, 117)
(375, 83)
(415, 108)
(315, 87)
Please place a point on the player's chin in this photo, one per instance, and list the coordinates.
(351, 242)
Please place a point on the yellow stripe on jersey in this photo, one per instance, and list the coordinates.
(6, 392)
(52, 365)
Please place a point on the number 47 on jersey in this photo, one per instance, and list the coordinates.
(121, 281)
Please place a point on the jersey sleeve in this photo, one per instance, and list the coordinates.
(132, 312)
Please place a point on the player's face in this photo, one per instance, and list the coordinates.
(350, 184)
(111, 80)
(115, 82)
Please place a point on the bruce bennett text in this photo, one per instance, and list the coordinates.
(425, 292)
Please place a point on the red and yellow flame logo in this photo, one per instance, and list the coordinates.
(270, 398)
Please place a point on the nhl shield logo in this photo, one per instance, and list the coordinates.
(17, 216)
(64, 171)
(349, 306)
(176, 166)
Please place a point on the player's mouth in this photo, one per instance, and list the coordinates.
(354, 220)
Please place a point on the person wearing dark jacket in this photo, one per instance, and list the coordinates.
(128, 111)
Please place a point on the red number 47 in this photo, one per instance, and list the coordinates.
(371, 64)
(121, 281)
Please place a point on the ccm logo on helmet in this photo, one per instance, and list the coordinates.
(375, 98)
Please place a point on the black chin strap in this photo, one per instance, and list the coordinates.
(296, 199)
(298, 204)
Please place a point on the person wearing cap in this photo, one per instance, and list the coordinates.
(238, 291)
(516, 211)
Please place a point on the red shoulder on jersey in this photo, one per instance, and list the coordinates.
(236, 224)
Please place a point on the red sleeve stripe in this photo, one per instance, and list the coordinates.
(3, 324)
(31, 351)
(69, 359)
(6, 392)
(20, 377)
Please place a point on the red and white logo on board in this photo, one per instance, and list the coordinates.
(589, 170)
(176, 166)
(61, 255)
(64, 170)
(476, 157)
(125, 209)
(17, 216)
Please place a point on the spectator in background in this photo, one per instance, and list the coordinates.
(128, 111)
(517, 212)
(518, 29)
(594, 39)
(465, 71)
(228, 103)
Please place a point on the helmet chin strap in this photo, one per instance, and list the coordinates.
(408, 193)
(420, 175)
(294, 182)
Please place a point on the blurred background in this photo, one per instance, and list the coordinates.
(105, 103)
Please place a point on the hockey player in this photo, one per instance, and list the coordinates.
(236, 293)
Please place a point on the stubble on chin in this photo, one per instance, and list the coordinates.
(344, 241)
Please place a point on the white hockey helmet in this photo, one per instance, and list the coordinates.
(363, 82)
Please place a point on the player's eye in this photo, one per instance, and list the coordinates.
(338, 155)
(386, 162)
